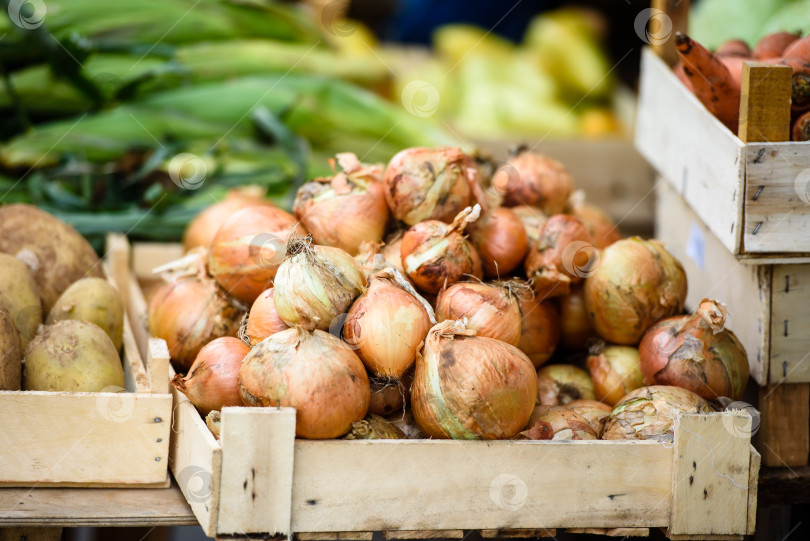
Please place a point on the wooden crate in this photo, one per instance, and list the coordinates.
(93, 439)
(258, 479)
(754, 197)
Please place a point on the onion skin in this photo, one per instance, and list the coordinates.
(11, 353)
(575, 325)
(562, 256)
(697, 353)
(391, 251)
(430, 184)
(540, 182)
(533, 220)
(559, 384)
(615, 371)
(202, 229)
(188, 313)
(595, 412)
(500, 239)
(263, 320)
(559, 423)
(648, 413)
(313, 372)
(374, 427)
(212, 381)
(346, 210)
(539, 329)
(491, 311)
(248, 249)
(636, 284)
(471, 387)
(602, 227)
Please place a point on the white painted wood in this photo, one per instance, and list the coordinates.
(257, 471)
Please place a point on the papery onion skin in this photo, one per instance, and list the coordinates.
(539, 181)
(539, 329)
(202, 229)
(374, 427)
(212, 381)
(263, 319)
(602, 227)
(315, 285)
(500, 239)
(575, 325)
(430, 184)
(391, 251)
(648, 413)
(697, 353)
(563, 255)
(595, 412)
(188, 313)
(490, 310)
(533, 219)
(559, 384)
(559, 423)
(615, 371)
(471, 387)
(636, 284)
(313, 372)
(248, 249)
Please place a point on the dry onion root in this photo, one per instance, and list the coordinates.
(490, 310)
(559, 384)
(615, 371)
(562, 256)
(390, 396)
(535, 180)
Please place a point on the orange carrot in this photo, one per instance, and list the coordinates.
(800, 86)
(678, 69)
(801, 128)
(773, 45)
(799, 49)
(734, 47)
(734, 65)
(711, 80)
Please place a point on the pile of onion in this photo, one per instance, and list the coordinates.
(539, 329)
(313, 372)
(190, 312)
(490, 310)
(563, 255)
(387, 324)
(248, 249)
(212, 381)
(436, 254)
(316, 284)
(615, 371)
(201, 230)
(559, 423)
(636, 284)
(347, 209)
(471, 387)
(559, 384)
(500, 239)
(540, 182)
(575, 325)
(696, 352)
(430, 184)
(602, 227)
(263, 319)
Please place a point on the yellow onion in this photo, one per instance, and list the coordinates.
(559, 423)
(696, 352)
(391, 250)
(212, 381)
(490, 310)
(263, 319)
(387, 324)
(248, 248)
(389, 396)
(188, 313)
(602, 227)
(430, 184)
(315, 284)
(636, 284)
(214, 422)
(575, 325)
(374, 427)
(595, 412)
(562, 256)
(471, 387)
(347, 209)
(313, 372)
(539, 329)
(500, 239)
(615, 371)
(648, 413)
(201, 230)
(535, 180)
(533, 220)
(559, 384)
(436, 254)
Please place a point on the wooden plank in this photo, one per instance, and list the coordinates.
(790, 316)
(682, 537)
(710, 474)
(713, 272)
(424, 534)
(30, 534)
(148, 255)
(765, 102)
(784, 486)
(753, 491)
(257, 472)
(518, 533)
(138, 313)
(158, 361)
(117, 263)
(332, 536)
(691, 149)
(73, 507)
(784, 431)
(628, 532)
(478, 485)
(675, 18)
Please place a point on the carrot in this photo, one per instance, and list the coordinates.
(801, 128)
(734, 47)
(711, 80)
(678, 69)
(800, 86)
(734, 65)
(799, 49)
(773, 45)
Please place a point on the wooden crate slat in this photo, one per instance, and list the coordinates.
(423, 534)
(518, 533)
(790, 320)
(784, 433)
(334, 536)
(753, 490)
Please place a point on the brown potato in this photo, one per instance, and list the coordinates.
(19, 295)
(94, 300)
(10, 354)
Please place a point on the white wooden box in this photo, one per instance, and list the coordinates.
(754, 197)
(92, 439)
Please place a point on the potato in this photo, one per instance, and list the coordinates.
(20, 296)
(56, 253)
(94, 300)
(73, 356)
(10, 354)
